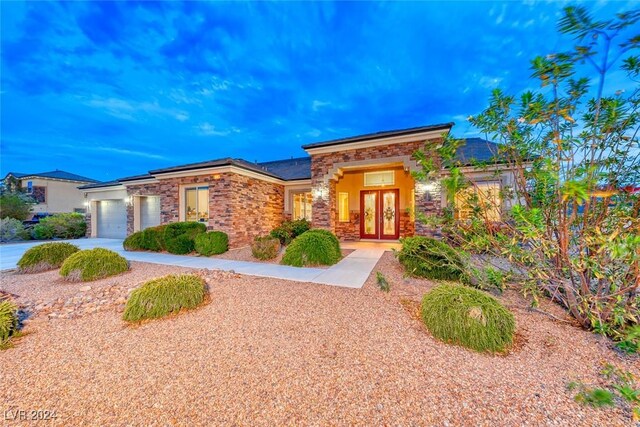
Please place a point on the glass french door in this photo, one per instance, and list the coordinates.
(379, 216)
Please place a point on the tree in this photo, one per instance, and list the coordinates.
(15, 205)
(571, 230)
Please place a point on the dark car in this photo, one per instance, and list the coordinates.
(36, 218)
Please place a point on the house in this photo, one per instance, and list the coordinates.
(54, 192)
(360, 188)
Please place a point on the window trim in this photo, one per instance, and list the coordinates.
(293, 205)
(185, 190)
(345, 211)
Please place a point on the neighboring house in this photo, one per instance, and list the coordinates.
(53, 192)
(359, 188)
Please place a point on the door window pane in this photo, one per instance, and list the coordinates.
(370, 207)
(197, 204)
(343, 207)
(389, 213)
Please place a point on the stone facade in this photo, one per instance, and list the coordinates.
(241, 206)
(351, 230)
(323, 188)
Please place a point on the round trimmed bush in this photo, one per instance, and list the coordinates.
(93, 264)
(153, 238)
(312, 248)
(47, 256)
(432, 259)
(468, 317)
(265, 247)
(8, 320)
(160, 297)
(180, 245)
(190, 228)
(289, 230)
(134, 242)
(329, 235)
(212, 243)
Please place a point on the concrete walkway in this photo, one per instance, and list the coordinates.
(351, 272)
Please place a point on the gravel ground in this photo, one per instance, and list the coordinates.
(244, 254)
(271, 352)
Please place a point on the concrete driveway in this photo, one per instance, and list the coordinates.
(351, 272)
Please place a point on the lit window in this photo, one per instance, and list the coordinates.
(412, 205)
(302, 206)
(484, 195)
(379, 179)
(197, 204)
(343, 207)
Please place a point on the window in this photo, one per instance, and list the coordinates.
(343, 207)
(197, 204)
(302, 206)
(379, 179)
(412, 205)
(29, 187)
(486, 195)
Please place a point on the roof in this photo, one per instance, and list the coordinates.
(290, 169)
(477, 150)
(228, 161)
(56, 174)
(383, 134)
(99, 185)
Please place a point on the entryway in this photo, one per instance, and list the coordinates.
(379, 214)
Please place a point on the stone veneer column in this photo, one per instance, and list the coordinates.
(428, 202)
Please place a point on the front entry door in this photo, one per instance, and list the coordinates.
(379, 216)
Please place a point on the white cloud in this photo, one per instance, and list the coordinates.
(128, 110)
(125, 151)
(207, 129)
(317, 105)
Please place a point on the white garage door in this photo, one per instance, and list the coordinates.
(149, 211)
(112, 219)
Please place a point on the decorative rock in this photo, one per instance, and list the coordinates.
(85, 288)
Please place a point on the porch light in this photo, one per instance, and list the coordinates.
(216, 177)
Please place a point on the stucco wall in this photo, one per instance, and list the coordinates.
(60, 196)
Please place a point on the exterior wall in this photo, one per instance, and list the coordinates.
(241, 206)
(60, 196)
(133, 208)
(324, 185)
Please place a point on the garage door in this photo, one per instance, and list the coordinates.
(112, 219)
(149, 211)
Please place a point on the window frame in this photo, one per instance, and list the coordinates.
(196, 189)
(381, 173)
(466, 213)
(308, 203)
(344, 211)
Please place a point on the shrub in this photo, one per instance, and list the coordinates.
(153, 238)
(93, 264)
(430, 258)
(212, 243)
(160, 297)
(47, 256)
(16, 206)
(180, 245)
(289, 230)
(63, 226)
(266, 247)
(469, 317)
(312, 248)
(329, 235)
(8, 321)
(12, 229)
(190, 228)
(134, 242)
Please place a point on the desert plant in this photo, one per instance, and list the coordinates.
(63, 226)
(189, 228)
(572, 209)
(289, 230)
(383, 284)
(12, 229)
(265, 247)
(329, 235)
(163, 296)
(93, 264)
(153, 238)
(8, 321)
(310, 249)
(180, 245)
(15, 205)
(469, 317)
(47, 256)
(212, 243)
(432, 259)
(134, 242)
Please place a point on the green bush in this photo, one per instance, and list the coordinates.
(160, 297)
(47, 256)
(312, 248)
(134, 242)
(63, 226)
(212, 243)
(189, 228)
(329, 235)
(430, 258)
(16, 206)
(8, 320)
(289, 230)
(469, 317)
(153, 238)
(93, 264)
(12, 229)
(180, 245)
(266, 247)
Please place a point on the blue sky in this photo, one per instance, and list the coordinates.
(107, 89)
